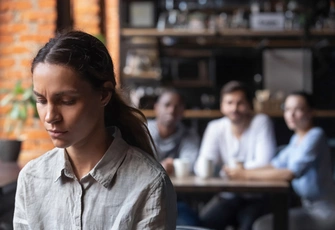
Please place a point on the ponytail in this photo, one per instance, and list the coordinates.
(131, 122)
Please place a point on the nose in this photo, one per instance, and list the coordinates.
(234, 107)
(52, 114)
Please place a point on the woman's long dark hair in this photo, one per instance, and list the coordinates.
(90, 59)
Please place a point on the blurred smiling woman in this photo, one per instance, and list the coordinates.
(102, 173)
(306, 162)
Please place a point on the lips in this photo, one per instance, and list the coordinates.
(56, 133)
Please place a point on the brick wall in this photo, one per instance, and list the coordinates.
(113, 34)
(25, 26)
(86, 16)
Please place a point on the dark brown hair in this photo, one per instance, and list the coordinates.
(234, 86)
(307, 97)
(171, 90)
(90, 59)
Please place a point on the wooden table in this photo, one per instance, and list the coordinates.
(8, 176)
(279, 191)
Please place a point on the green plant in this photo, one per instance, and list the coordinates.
(19, 101)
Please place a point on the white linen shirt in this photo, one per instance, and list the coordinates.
(127, 189)
(256, 146)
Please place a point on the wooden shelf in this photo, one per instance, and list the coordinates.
(192, 83)
(260, 33)
(153, 76)
(189, 113)
(127, 32)
(212, 114)
(274, 33)
(167, 32)
(323, 32)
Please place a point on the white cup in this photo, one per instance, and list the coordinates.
(181, 168)
(206, 168)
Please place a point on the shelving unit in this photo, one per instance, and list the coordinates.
(153, 32)
(213, 114)
(211, 43)
(130, 32)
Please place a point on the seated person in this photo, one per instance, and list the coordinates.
(174, 140)
(306, 162)
(240, 136)
(171, 137)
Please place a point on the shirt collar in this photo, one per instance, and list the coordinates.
(63, 165)
(107, 167)
(104, 171)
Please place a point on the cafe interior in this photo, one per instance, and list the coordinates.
(275, 47)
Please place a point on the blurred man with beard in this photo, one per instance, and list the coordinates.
(174, 140)
(240, 139)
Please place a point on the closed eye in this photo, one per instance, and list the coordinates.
(41, 101)
(72, 102)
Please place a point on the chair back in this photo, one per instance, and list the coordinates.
(331, 143)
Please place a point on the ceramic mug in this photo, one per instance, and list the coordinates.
(181, 167)
(206, 168)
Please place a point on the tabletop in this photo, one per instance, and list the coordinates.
(217, 184)
(195, 187)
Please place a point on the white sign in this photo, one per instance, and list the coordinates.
(267, 21)
(141, 14)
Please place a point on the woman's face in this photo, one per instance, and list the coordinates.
(297, 114)
(69, 108)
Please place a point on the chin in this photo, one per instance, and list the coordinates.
(236, 120)
(60, 144)
(235, 117)
(292, 127)
(169, 123)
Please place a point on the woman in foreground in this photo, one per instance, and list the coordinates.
(102, 173)
(306, 163)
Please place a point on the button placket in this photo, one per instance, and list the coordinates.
(78, 206)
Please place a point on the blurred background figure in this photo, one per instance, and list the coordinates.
(241, 139)
(174, 140)
(306, 162)
(171, 137)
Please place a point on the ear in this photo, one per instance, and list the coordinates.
(221, 107)
(106, 93)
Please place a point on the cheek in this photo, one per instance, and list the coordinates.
(299, 116)
(78, 119)
(223, 108)
(243, 108)
(41, 111)
(303, 118)
(286, 116)
(80, 112)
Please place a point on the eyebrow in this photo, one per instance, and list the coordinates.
(59, 94)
